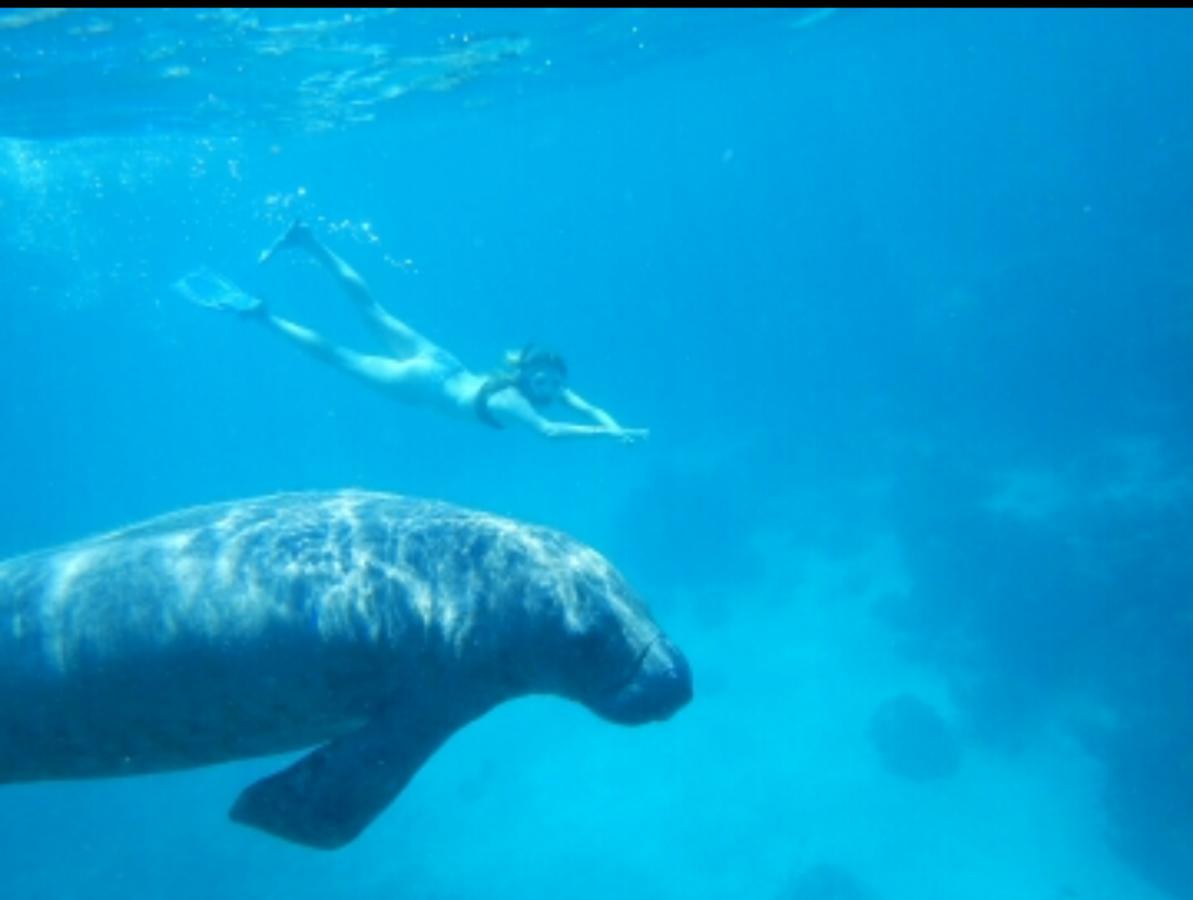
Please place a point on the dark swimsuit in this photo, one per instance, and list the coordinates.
(492, 385)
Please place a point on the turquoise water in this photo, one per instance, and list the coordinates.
(905, 299)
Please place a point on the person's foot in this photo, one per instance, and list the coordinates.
(297, 235)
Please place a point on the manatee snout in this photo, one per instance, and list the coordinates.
(660, 685)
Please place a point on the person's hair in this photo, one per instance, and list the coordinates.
(533, 356)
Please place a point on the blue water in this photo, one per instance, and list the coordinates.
(905, 299)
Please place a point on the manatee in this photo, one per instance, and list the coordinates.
(367, 626)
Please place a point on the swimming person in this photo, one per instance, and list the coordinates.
(420, 371)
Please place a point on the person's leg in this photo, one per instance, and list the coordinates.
(403, 339)
(417, 379)
(371, 368)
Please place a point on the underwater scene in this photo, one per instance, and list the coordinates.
(596, 453)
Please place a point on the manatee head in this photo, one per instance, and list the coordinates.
(593, 640)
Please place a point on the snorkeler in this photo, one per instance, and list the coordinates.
(419, 371)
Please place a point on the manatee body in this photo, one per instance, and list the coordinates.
(371, 625)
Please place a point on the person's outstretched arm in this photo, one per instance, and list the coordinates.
(550, 429)
(582, 406)
(514, 408)
(602, 418)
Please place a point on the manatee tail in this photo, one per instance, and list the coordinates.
(330, 796)
(210, 289)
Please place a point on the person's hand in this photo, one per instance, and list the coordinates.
(632, 435)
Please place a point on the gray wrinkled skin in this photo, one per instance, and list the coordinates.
(372, 624)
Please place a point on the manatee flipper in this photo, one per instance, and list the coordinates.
(204, 287)
(330, 795)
